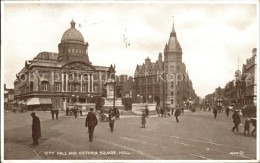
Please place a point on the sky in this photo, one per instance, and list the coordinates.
(213, 37)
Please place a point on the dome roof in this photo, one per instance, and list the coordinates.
(72, 34)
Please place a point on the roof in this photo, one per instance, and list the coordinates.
(72, 34)
(47, 56)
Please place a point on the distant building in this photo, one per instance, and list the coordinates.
(8, 96)
(124, 86)
(62, 78)
(165, 82)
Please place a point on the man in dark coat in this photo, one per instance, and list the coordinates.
(146, 112)
(236, 120)
(36, 129)
(215, 112)
(227, 111)
(111, 118)
(177, 114)
(91, 122)
(52, 113)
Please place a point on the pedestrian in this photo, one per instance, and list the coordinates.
(172, 110)
(254, 124)
(182, 110)
(80, 111)
(36, 129)
(247, 126)
(91, 122)
(227, 111)
(162, 111)
(52, 113)
(111, 118)
(215, 112)
(157, 110)
(143, 121)
(146, 112)
(75, 112)
(177, 114)
(56, 113)
(236, 120)
(67, 111)
(117, 114)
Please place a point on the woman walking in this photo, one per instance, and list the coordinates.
(143, 121)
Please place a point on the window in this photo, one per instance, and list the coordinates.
(149, 90)
(84, 88)
(76, 87)
(171, 101)
(172, 93)
(69, 50)
(72, 50)
(69, 88)
(57, 87)
(76, 50)
(178, 67)
(171, 85)
(178, 93)
(44, 85)
(171, 68)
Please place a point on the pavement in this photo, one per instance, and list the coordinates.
(198, 136)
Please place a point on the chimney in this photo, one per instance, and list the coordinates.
(160, 57)
(147, 60)
(254, 52)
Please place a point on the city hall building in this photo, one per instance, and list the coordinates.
(62, 78)
(165, 81)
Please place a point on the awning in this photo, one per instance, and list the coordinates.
(33, 101)
(45, 101)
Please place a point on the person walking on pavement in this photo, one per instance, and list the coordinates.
(254, 124)
(111, 118)
(162, 111)
(227, 111)
(52, 113)
(247, 126)
(80, 111)
(177, 114)
(146, 112)
(172, 110)
(36, 129)
(67, 111)
(56, 111)
(215, 112)
(236, 120)
(75, 112)
(91, 123)
(143, 121)
(117, 114)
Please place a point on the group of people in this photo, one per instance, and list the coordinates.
(74, 110)
(237, 122)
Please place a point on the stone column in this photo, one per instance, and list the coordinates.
(81, 83)
(88, 82)
(92, 85)
(67, 78)
(62, 82)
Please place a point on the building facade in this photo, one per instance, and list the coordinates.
(8, 96)
(243, 89)
(250, 73)
(62, 78)
(165, 81)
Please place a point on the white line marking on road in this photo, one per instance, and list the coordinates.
(192, 139)
(184, 144)
(199, 155)
(132, 140)
(137, 151)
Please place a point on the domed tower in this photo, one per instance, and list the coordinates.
(72, 46)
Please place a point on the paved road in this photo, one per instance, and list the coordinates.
(198, 136)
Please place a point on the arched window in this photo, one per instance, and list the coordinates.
(44, 86)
